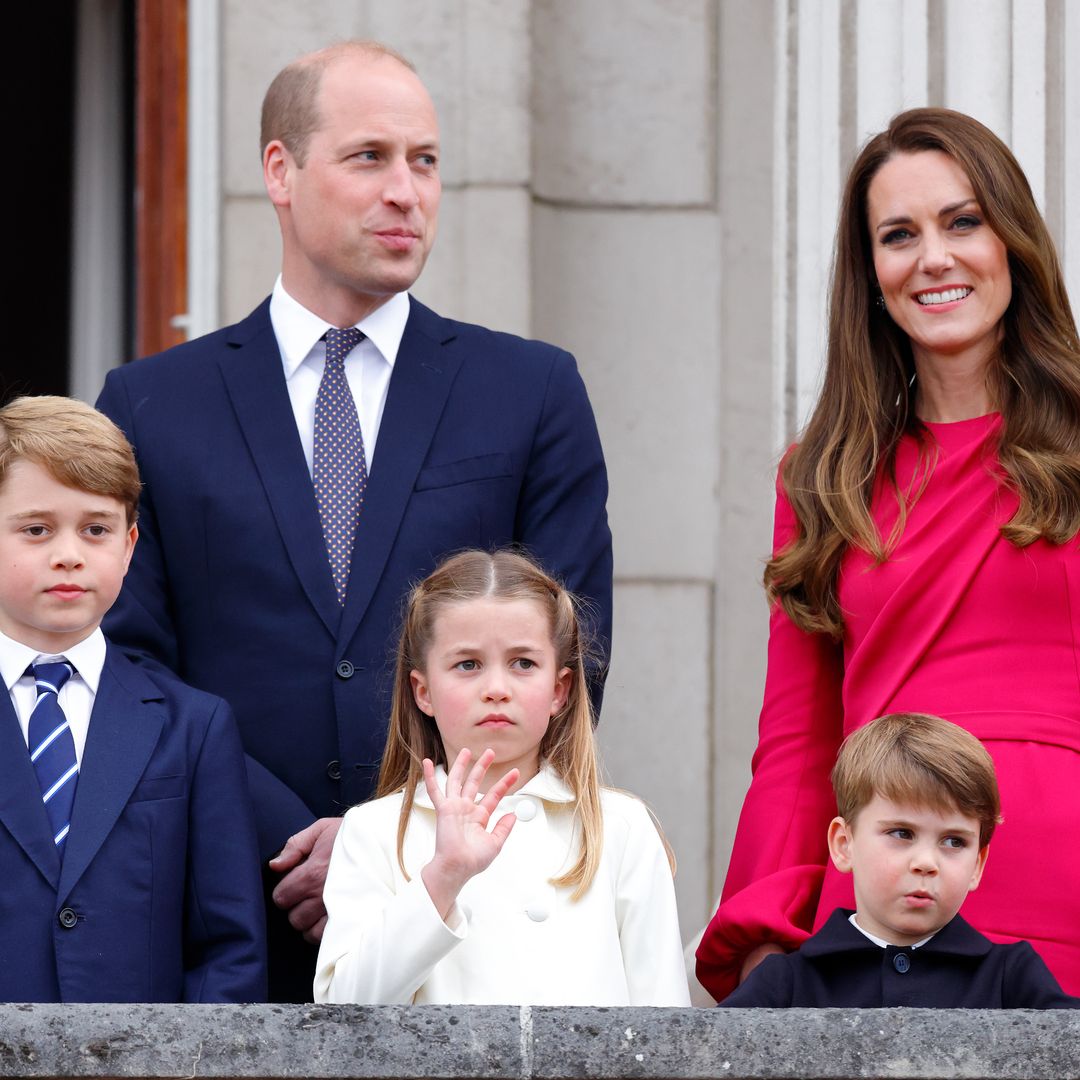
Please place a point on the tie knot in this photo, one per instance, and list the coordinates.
(339, 343)
(50, 677)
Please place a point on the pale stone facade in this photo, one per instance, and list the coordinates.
(653, 185)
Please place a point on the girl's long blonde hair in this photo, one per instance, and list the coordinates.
(867, 400)
(567, 746)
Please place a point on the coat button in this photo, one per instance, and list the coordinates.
(525, 810)
(537, 911)
(345, 669)
(333, 770)
(902, 962)
(67, 918)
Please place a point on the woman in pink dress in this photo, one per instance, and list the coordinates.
(927, 546)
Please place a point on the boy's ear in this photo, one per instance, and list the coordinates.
(129, 547)
(980, 864)
(840, 844)
(420, 692)
(562, 691)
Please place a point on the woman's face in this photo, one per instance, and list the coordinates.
(944, 273)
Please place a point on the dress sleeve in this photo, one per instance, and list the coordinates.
(383, 935)
(780, 852)
(647, 916)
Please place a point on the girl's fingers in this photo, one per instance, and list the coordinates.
(499, 789)
(456, 773)
(502, 829)
(476, 775)
(433, 791)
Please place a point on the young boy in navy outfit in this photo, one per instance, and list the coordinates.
(127, 844)
(918, 802)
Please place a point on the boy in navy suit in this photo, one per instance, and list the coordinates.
(918, 803)
(127, 845)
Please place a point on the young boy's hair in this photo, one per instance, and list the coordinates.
(76, 444)
(919, 760)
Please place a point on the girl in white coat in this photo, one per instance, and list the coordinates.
(568, 899)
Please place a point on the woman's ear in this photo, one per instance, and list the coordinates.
(840, 835)
(420, 692)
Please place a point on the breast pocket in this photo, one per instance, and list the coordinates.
(468, 471)
(159, 787)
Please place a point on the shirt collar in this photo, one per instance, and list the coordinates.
(88, 659)
(298, 330)
(546, 785)
(881, 942)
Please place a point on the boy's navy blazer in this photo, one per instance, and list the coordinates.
(485, 439)
(158, 896)
(958, 968)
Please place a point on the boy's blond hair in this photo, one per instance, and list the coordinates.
(76, 444)
(919, 760)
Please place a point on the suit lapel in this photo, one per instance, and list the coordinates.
(256, 385)
(22, 812)
(423, 374)
(125, 725)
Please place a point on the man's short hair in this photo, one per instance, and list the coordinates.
(76, 444)
(918, 760)
(290, 109)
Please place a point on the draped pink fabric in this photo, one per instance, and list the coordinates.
(958, 623)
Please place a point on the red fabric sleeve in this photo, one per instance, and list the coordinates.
(780, 852)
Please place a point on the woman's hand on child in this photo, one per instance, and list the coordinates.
(463, 845)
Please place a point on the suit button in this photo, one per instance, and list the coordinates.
(902, 962)
(67, 918)
(525, 810)
(333, 770)
(345, 669)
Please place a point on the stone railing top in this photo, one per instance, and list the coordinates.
(520, 1043)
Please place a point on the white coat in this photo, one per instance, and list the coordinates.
(512, 937)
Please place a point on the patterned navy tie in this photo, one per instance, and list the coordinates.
(339, 467)
(52, 749)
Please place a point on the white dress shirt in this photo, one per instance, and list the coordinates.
(77, 694)
(514, 938)
(368, 367)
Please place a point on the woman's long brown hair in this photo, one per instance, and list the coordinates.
(867, 399)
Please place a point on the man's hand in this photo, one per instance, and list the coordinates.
(303, 860)
(769, 948)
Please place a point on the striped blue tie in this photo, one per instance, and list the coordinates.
(52, 749)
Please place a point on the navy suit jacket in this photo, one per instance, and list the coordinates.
(158, 897)
(486, 439)
(839, 967)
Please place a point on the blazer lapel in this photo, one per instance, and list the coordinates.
(423, 374)
(256, 385)
(22, 812)
(125, 725)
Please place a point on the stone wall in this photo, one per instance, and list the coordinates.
(503, 1043)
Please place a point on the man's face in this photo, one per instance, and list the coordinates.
(63, 556)
(358, 218)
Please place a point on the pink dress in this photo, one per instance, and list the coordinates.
(958, 623)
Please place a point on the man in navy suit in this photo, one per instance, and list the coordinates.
(127, 844)
(470, 438)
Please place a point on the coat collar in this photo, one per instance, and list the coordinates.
(546, 785)
(125, 724)
(957, 937)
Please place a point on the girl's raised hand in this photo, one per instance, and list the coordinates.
(463, 845)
